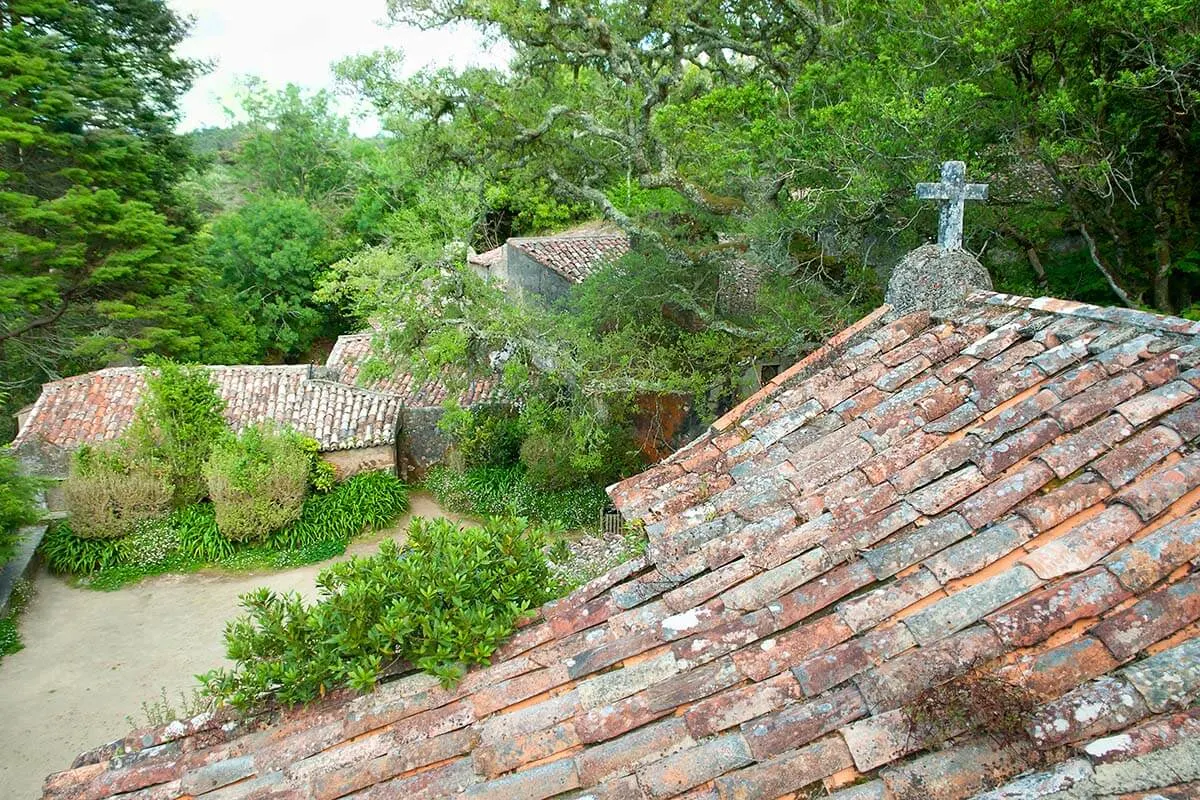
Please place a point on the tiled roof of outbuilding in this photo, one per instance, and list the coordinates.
(351, 351)
(1011, 488)
(99, 406)
(574, 257)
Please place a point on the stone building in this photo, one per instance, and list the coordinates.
(547, 266)
(388, 424)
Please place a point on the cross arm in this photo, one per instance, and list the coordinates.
(934, 191)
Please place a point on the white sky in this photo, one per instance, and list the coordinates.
(297, 41)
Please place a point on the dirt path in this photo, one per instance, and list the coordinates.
(92, 658)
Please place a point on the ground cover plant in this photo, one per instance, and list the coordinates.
(444, 600)
(509, 491)
(189, 538)
(10, 634)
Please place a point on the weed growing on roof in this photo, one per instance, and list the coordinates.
(189, 539)
(163, 710)
(444, 600)
(975, 702)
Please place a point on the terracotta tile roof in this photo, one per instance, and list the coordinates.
(99, 406)
(1011, 488)
(351, 352)
(574, 257)
(488, 258)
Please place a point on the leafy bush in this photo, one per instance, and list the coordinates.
(199, 537)
(483, 437)
(67, 553)
(178, 422)
(369, 500)
(257, 481)
(448, 598)
(17, 508)
(111, 488)
(322, 477)
(500, 491)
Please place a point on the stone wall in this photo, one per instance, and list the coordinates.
(363, 459)
(518, 272)
(422, 445)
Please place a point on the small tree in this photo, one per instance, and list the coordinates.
(17, 508)
(257, 481)
(178, 423)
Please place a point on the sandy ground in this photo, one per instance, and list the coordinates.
(92, 658)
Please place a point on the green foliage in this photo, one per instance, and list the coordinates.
(199, 537)
(271, 252)
(367, 501)
(257, 481)
(447, 599)
(99, 264)
(482, 437)
(151, 543)
(67, 553)
(10, 635)
(17, 504)
(188, 538)
(113, 487)
(178, 423)
(508, 491)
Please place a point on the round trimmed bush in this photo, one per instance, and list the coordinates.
(257, 481)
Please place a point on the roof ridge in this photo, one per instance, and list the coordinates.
(1074, 308)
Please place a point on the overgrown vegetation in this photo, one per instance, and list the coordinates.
(444, 600)
(190, 539)
(17, 504)
(10, 634)
(114, 487)
(504, 463)
(257, 481)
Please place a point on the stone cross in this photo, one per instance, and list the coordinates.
(953, 190)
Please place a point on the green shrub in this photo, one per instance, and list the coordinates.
(17, 506)
(322, 477)
(483, 437)
(178, 422)
(367, 501)
(113, 487)
(199, 537)
(491, 491)
(68, 554)
(257, 481)
(448, 598)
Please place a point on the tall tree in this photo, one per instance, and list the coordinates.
(97, 262)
